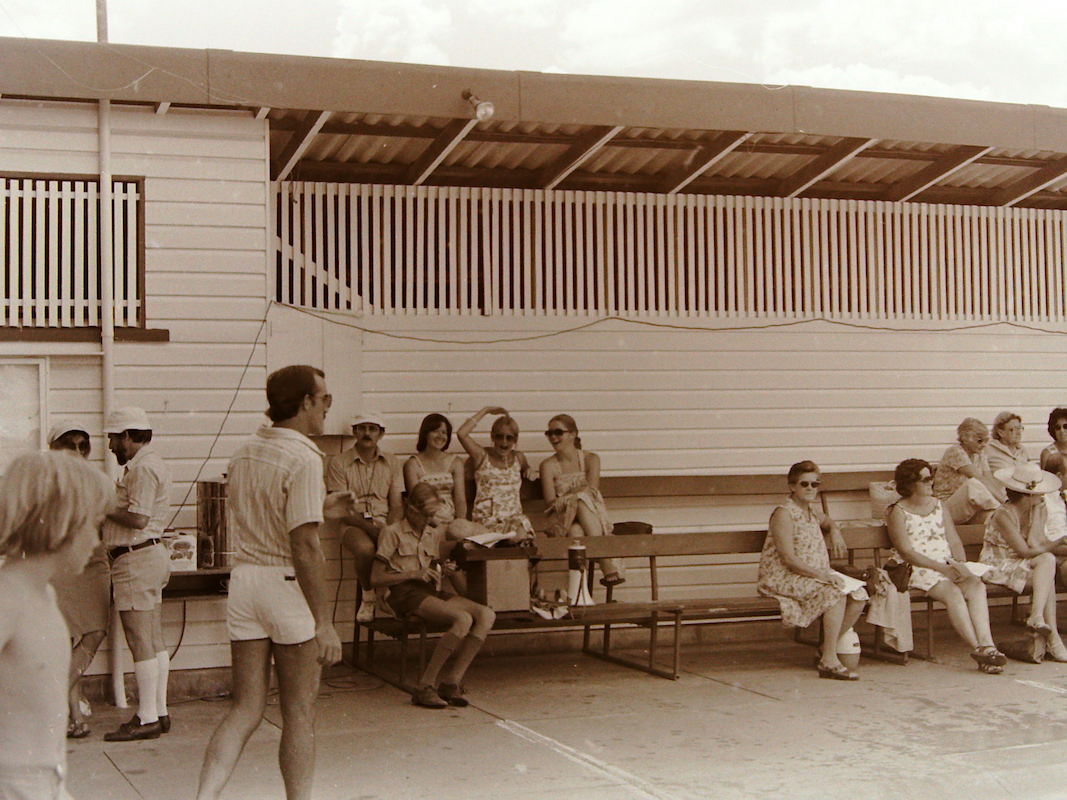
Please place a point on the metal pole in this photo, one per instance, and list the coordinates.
(101, 21)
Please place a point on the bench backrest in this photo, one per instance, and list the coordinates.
(875, 536)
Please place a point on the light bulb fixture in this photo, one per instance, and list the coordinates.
(483, 109)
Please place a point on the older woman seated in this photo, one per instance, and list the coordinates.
(795, 569)
(923, 534)
(1006, 447)
(1021, 555)
(964, 481)
(1057, 429)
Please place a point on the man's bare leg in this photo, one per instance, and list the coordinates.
(251, 680)
(298, 685)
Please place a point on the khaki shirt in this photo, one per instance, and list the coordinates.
(144, 488)
(370, 481)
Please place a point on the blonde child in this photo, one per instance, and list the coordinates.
(51, 509)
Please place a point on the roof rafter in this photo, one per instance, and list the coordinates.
(298, 143)
(952, 161)
(436, 152)
(1032, 184)
(702, 159)
(818, 168)
(584, 146)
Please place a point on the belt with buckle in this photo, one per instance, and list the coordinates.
(115, 552)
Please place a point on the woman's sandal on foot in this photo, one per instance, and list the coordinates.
(614, 579)
(77, 729)
(838, 673)
(1042, 629)
(989, 659)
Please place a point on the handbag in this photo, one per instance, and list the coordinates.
(899, 573)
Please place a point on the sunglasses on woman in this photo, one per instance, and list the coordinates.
(809, 484)
(556, 431)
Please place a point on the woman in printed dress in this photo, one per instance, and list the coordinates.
(444, 472)
(498, 474)
(795, 569)
(1021, 555)
(570, 481)
(923, 534)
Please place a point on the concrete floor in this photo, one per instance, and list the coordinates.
(746, 720)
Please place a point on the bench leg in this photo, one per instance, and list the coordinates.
(649, 666)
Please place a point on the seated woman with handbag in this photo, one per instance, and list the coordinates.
(1020, 554)
(794, 569)
(923, 534)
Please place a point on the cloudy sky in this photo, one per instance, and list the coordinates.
(982, 49)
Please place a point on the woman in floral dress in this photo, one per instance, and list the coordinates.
(795, 569)
(923, 534)
(498, 473)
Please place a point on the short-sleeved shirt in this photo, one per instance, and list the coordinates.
(370, 481)
(403, 550)
(948, 477)
(144, 488)
(1000, 455)
(275, 484)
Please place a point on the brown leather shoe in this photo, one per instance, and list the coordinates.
(427, 697)
(164, 723)
(453, 695)
(134, 730)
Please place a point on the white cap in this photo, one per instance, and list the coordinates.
(64, 426)
(127, 418)
(368, 418)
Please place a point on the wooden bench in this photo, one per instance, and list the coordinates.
(677, 501)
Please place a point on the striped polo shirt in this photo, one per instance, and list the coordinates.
(275, 485)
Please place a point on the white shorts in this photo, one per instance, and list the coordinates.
(267, 603)
(138, 578)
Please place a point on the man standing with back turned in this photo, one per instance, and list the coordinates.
(278, 602)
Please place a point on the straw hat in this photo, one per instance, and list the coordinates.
(1027, 478)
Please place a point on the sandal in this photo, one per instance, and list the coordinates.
(838, 673)
(77, 729)
(614, 579)
(1039, 630)
(989, 656)
(990, 669)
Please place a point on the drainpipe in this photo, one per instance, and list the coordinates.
(107, 369)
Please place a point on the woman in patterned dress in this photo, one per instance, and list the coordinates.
(923, 534)
(498, 474)
(795, 569)
(1016, 547)
(570, 481)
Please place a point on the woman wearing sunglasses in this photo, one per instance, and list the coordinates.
(1057, 429)
(964, 480)
(498, 473)
(570, 480)
(923, 534)
(794, 569)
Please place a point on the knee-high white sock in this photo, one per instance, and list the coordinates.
(163, 659)
(147, 674)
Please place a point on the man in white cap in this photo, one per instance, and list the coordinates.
(278, 607)
(140, 566)
(377, 479)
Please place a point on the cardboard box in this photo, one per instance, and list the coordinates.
(182, 549)
(503, 585)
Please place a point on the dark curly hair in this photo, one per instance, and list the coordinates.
(907, 473)
(1054, 418)
(799, 469)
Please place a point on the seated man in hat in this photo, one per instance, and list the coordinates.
(140, 566)
(377, 480)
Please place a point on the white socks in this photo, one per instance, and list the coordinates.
(163, 659)
(147, 675)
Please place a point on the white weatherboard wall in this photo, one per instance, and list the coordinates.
(205, 189)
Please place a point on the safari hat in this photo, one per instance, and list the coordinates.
(1027, 478)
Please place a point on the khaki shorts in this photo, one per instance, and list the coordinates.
(267, 603)
(138, 578)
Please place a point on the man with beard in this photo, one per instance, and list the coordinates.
(140, 566)
(377, 480)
